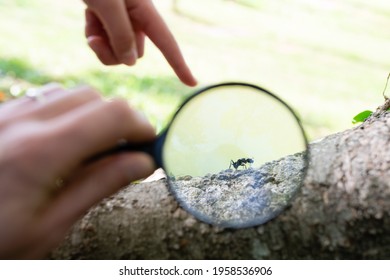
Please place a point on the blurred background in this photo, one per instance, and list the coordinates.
(329, 59)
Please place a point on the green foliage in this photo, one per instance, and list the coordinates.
(361, 117)
(157, 96)
(20, 69)
(308, 52)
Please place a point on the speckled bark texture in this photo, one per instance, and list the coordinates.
(342, 212)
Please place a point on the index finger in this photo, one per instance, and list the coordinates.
(156, 29)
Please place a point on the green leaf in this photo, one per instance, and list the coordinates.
(362, 116)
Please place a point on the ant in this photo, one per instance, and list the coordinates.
(241, 162)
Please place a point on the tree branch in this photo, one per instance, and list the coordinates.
(341, 212)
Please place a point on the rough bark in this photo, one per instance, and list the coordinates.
(342, 212)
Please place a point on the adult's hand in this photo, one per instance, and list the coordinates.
(46, 178)
(116, 31)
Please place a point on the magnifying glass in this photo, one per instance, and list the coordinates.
(234, 154)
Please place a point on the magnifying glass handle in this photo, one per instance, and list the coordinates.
(153, 148)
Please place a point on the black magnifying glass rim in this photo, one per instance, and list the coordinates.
(155, 148)
(159, 146)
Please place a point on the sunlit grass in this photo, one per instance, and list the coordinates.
(156, 96)
(327, 59)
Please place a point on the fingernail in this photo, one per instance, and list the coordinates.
(90, 39)
(131, 57)
(91, 42)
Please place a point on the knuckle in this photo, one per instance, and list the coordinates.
(88, 92)
(120, 108)
(93, 94)
(123, 43)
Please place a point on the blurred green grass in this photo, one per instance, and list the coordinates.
(328, 59)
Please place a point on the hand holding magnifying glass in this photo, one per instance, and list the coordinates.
(234, 154)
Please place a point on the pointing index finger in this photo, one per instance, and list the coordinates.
(158, 32)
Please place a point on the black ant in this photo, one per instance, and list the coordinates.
(241, 162)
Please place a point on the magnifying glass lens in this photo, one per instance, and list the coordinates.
(234, 155)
